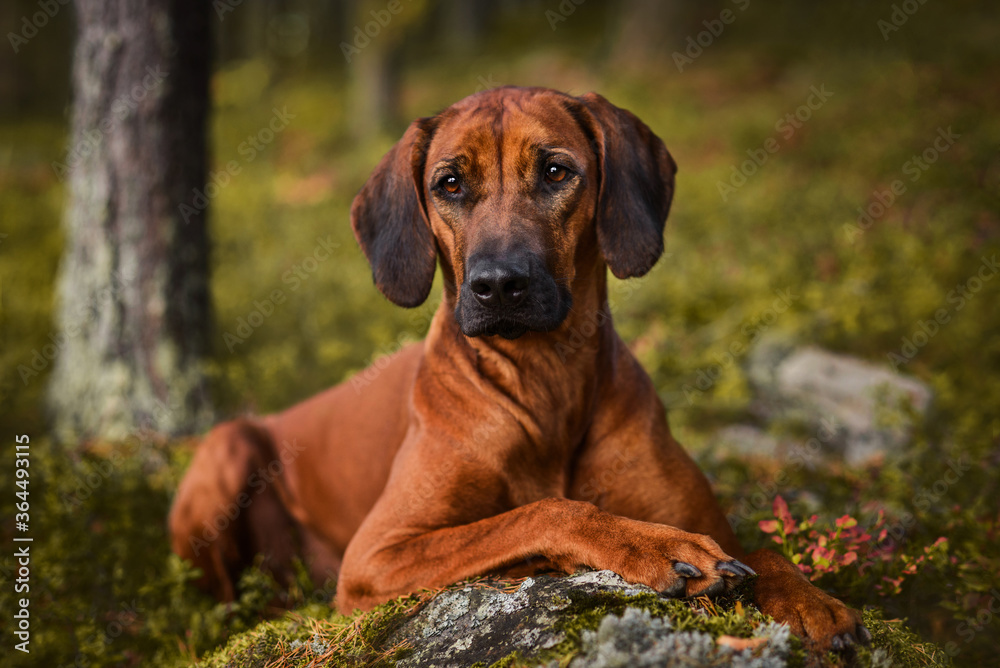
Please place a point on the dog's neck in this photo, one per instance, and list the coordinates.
(547, 380)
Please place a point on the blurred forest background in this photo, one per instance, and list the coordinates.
(717, 81)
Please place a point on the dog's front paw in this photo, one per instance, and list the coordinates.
(720, 577)
(822, 621)
(678, 563)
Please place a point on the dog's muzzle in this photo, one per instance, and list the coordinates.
(508, 296)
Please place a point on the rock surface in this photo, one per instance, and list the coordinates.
(592, 619)
(746, 439)
(637, 639)
(480, 624)
(858, 410)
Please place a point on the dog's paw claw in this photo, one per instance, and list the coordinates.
(864, 634)
(847, 640)
(734, 568)
(686, 570)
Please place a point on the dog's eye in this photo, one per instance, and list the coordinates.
(555, 173)
(450, 184)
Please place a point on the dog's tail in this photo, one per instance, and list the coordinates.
(229, 508)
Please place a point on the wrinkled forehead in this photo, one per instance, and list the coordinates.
(508, 129)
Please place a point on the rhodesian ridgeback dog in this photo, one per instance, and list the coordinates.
(521, 431)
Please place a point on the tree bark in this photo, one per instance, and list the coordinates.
(646, 30)
(376, 73)
(134, 310)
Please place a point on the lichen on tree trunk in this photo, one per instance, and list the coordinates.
(134, 308)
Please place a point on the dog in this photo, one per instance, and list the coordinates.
(506, 439)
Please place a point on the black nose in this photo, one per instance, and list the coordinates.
(495, 284)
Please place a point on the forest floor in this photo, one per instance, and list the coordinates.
(813, 218)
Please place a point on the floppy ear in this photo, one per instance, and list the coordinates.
(389, 218)
(636, 187)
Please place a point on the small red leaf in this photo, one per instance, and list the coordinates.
(768, 526)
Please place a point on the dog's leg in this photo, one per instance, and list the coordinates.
(410, 542)
(228, 509)
(632, 466)
(660, 483)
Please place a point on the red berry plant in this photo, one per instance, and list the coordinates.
(865, 555)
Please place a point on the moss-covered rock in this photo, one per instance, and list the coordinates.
(592, 619)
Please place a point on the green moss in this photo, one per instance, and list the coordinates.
(724, 618)
(104, 571)
(513, 660)
(905, 648)
(731, 615)
(316, 633)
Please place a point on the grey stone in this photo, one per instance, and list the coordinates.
(482, 624)
(461, 627)
(745, 439)
(858, 410)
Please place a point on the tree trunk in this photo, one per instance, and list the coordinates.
(134, 308)
(647, 30)
(376, 87)
(375, 73)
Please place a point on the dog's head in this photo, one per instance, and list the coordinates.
(509, 189)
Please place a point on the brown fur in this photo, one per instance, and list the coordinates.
(470, 455)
